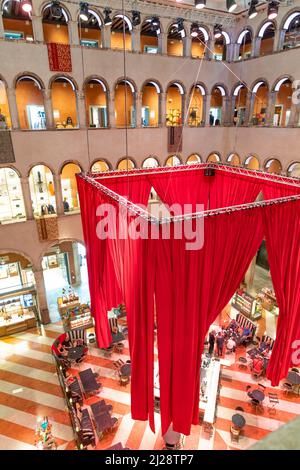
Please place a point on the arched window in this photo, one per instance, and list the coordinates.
(89, 29)
(99, 166)
(151, 104)
(239, 98)
(220, 46)
(16, 273)
(16, 21)
(284, 92)
(150, 32)
(173, 160)
(150, 162)
(260, 104)
(96, 103)
(273, 166)
(234, 159)
(196, 108)
(176, 34)
(5, 121)
(292, 31)
(126, 164)
(245, 42)
(294, 170)
(117, 28)
(69, 187)
(175, 104)
(199, 38)
(193, 159)
(216, 104)
(55, 23)
(252, 163)
(214, 158)
(64, 103)
(267, 35)
(41, 183)
(125, 99)
(30, 103)
(11, 197)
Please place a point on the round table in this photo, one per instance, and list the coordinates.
(126, 370)
(258, 395)
(75, 353)
(238, 420)
(293, 378)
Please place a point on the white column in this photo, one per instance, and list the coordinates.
(37, 26)
(81, 114)
(229, 52)
(256, 47)
(163, 109)
(232, 108)
(281, 39)
(207, 110)
(111, 111)
(27, 198)
(73, 33)
(226, 107)
(42, 297)
(271, 108)
(249, 109)
(204, 108)
(1, 25)
(58, 195)
(136, 39)
(163, 42)
(48, 109)
(209, 53)
(187, 46)
(138, 108)
(235, 51)
(11, 96)
(106, 36)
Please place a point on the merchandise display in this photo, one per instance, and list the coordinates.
(44, 439)
(72, 312)
(18, 313)
(245, 304)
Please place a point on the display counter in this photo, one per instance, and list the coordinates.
(75, 315)
(18, 311)
(246, 304)
(209, 386)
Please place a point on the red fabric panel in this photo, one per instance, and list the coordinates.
(134, 188)
(228, 189)
(282, 230)
(59, 56)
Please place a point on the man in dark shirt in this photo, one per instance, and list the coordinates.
(211, 340)
(220, 344)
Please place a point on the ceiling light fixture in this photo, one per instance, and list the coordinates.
(84, 11)
(231, 5)
(136, 18)
(200, 4)
(26, 6)
(180, 27)
(107, 18)
(272, 10)
(217, 31)
(56, 10)
(194, 30)
(252, 12)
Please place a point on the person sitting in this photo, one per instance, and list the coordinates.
(263, 346)
(69, 123)
(245, 334)
(62, 352)
(67, 343)
(231, 344)
(257, 365)
(233, 325)
(78, 410)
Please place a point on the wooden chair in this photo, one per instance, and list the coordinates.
(242, 363)
(118, 348)
(287, 388)
(124, 380)
(234, 434)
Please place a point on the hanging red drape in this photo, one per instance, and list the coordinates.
(229, 189)
(282, 232)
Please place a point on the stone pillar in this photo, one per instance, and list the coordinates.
(76, 280)
(111, 111)
(276, 40)
(41, 297)
(207, 109)
(235, 49)
(27, 198)
(163, 43)
(226, 108)
(48, 109)
(81, 114)
(138, 109)
(204, 107)
(187, 46)
(106, 36)
(136, 39)
(73, 33)
(281, 39)
(271, 108)
(12, 102)
(249, 108)
(209, 53)
(230, 52)
(37, 26)
(1, 25)
(58, 195)
(232, 108)
(163, 109)
(256, 47)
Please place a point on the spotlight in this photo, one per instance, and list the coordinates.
(231, 5)
(155, 25)
(217, 31)
(180, 27)
(26, 6)
(272, 10)
(56, 10)
(107, 18)
(252, 13)
(136, 18)
(194, 30)
(200, 4)
(84, 11)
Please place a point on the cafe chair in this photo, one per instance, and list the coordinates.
(255, 404)
(108, 352)
(118, 348)
(239, 408)
(294, 369)
(287, 388)
(234, 434)
(124, 380)
(261, 387)
(273, 402)
(242, 363)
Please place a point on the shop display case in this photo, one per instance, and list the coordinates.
(73, 313)
(18, 312)
(246, 304)
(11, 198)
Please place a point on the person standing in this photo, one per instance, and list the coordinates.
(211, 341)
(220, 344)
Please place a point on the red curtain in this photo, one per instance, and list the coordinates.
(282, 231)
(229, 189)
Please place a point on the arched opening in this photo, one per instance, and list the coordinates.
(89, 29)
(220, 46)
(273, 166)
(5, 121)
(150, 32)
(199, 38)
(176, 34)
(196, 108)
(55, 24)
(252, 163)
(216, 104)
(173, 160)
(96, 103)
(30, 103)
(69, 188)
(292, 31)
(260, 105)
(150, 162)
(282, 112)
(64, 103)
(174, 104)
(294, 170)
(99, 166)
(151, 105)
(267, 35)
(214, 158)
(12, 207)
(126, 164)
(125, 95)
(18, 296)
(245, 42)
(117, 37)
(42, 191)
(234, 159)
(240, 101)
(16, 22)
(66, 283)
(193, 159)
